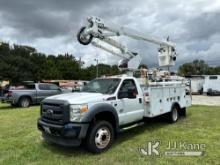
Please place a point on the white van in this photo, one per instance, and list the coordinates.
(211, 85)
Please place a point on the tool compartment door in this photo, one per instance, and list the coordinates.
(156, 101)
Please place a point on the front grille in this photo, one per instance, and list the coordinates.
(53, 113)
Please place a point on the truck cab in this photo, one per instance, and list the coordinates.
(104, 106)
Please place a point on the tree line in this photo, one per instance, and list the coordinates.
(198, 67)
(24, 63)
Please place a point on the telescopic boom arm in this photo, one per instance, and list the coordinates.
(99, 33)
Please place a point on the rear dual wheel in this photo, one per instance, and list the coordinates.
(173, 116)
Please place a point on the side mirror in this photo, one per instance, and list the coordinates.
(132, 93)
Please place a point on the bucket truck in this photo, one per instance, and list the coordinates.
(108, 105)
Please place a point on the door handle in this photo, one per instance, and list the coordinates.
(140, 100)
(121, 110)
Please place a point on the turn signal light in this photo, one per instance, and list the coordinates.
(83, 109)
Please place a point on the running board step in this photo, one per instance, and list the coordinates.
(131, 126)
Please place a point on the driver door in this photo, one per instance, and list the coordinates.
(129, 109)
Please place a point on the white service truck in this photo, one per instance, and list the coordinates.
(107, 105)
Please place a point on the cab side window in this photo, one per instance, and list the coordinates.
(43, 87)
(53, 87)
(126, 85)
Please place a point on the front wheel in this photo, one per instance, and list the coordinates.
(100, 137)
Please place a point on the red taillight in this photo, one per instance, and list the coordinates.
(9, 93)
(146, 97)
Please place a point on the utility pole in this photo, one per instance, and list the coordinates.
(80, 63)
(97, 68)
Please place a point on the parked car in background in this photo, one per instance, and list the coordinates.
(33, 93)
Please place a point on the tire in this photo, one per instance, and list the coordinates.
(24, 102)
(173, 116)
(84, 41)
(100, 137)
(201, 91)
(182, 112)
(209, 92)
(13, 105)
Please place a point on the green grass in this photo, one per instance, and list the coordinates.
(21, 142)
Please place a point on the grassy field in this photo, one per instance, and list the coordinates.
(21, 143)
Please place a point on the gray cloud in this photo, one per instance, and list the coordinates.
(40, 19)
(51, 26)
(203, 26)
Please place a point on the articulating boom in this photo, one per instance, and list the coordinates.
(99, 33)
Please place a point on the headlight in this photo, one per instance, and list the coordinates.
(77, 112)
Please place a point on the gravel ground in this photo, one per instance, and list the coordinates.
(206, 100)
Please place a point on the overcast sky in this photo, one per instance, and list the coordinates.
(51, 26)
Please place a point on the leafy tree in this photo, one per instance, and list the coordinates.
(22, 63)
(197, 67)
(214, 70)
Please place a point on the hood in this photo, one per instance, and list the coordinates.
(79, 97)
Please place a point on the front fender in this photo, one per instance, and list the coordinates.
(98, 108)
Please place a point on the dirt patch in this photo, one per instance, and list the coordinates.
(205, 100)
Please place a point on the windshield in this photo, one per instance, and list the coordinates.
(104, 86)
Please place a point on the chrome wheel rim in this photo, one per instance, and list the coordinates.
(175, 114)
(25, 103)
(102, 137)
